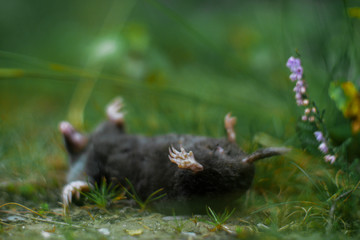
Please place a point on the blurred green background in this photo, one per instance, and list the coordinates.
(180, 66)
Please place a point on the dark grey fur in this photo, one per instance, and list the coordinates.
(114, 155)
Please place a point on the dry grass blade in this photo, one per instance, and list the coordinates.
(18, 204)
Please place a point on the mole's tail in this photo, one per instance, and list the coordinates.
(265, 153)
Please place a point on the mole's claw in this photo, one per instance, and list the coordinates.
(175, 151)
(114, 113)
(184, 160)
(73, 188)
(172, 154)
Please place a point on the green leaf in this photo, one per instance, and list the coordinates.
(337, 94)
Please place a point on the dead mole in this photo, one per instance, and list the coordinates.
(189, 168)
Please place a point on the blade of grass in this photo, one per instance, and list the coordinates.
(285, 203)
(18, 204)
(136, 197)
(151, 197)
(119, 13)
(309, 177)
(133, 194)
(214, 216)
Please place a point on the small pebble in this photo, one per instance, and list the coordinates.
(104, 231)
(262, 226)
(14, 218)
(173, 218)
(45, 234)
(135, 232)
(189, 234)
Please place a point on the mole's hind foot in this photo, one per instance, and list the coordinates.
(73, 189)
(184, 160)
(229, 123)
(114, 113)
(75, 141)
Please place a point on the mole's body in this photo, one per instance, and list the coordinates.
(204, 168)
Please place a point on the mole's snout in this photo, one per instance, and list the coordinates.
(265, 153)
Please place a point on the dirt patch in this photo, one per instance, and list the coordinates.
(94, 223)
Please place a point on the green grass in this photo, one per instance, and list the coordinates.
(103, 195)
(178, 224)
(143, 204)
(218, 220)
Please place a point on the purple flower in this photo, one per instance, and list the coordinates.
(303, 90)
(323, 148)
(300, 83)
(294, 77)
(290, 62)
(299, 102)
(319, 136)
(293, 64)
(298, 70)
(330, 158)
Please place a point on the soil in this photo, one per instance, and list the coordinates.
(95, 223)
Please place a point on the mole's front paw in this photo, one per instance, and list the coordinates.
(114, 113)
(184, 160)
(73, 189)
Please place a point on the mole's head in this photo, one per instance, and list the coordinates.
(219, 173)
(226, 174)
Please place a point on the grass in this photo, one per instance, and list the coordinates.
(103, 195)
(218, 220)
(178, 224)
(143, 204)
(217, 59)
